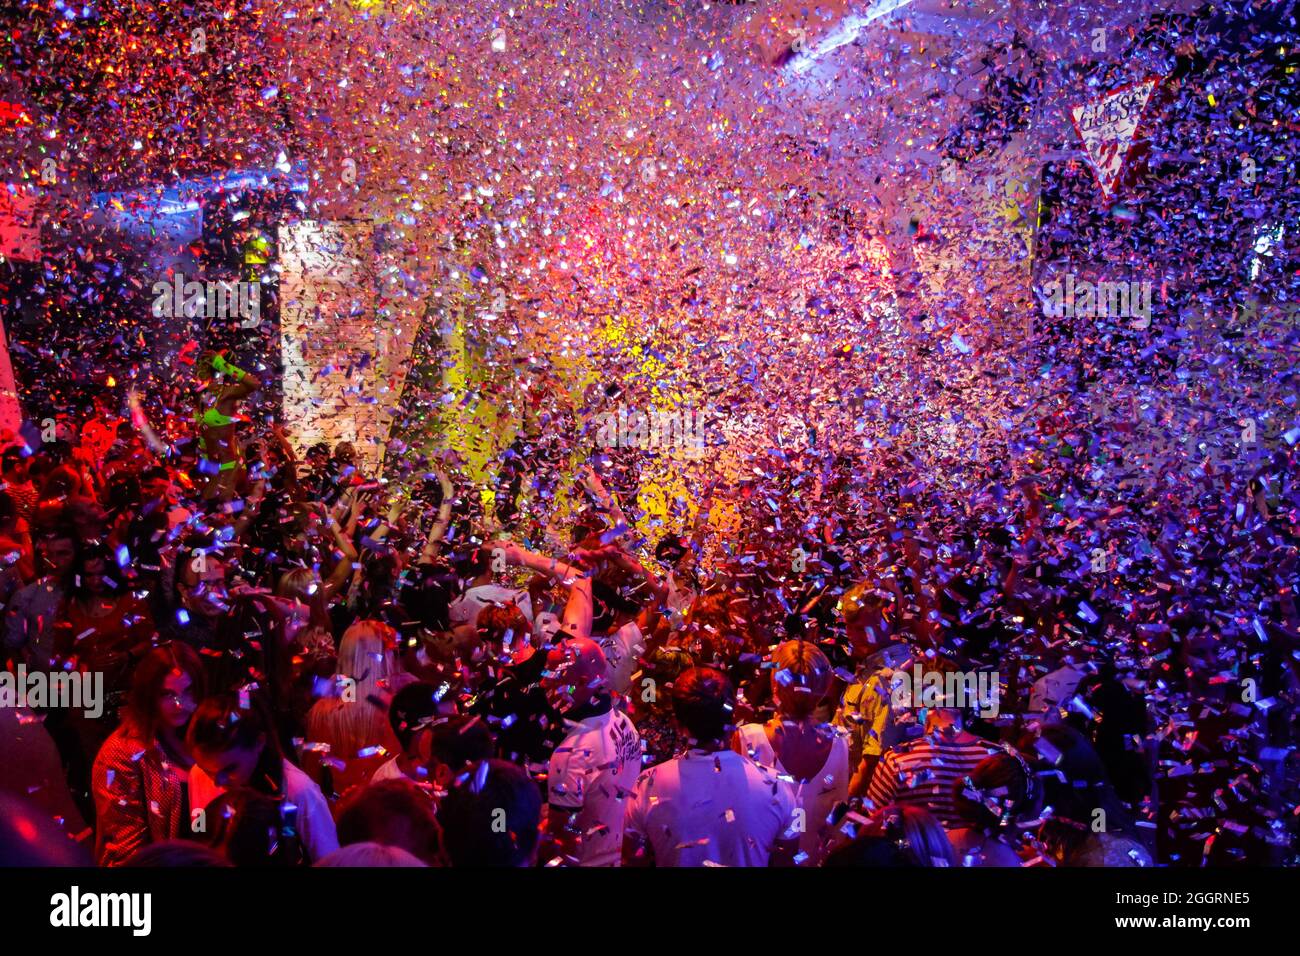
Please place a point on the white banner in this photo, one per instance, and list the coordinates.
(1108, 125)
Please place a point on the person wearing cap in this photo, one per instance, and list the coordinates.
(864, 708)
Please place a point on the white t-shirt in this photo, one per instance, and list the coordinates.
(593, 771)
(622, 650)
(314, 822)
(818, 795)
(717, 809)
(464, 610)
(388, 770)
(1054, 688)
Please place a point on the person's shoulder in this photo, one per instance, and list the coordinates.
(911, 745)
(576, 741)
(651, 775)
(834, 732)
(29, 592)
(766, 781)
(297, 784)
(121, 748)
(751, 767)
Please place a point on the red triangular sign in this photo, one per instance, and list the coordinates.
(1108, 126)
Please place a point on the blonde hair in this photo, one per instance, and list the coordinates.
(304, 586)
(367, 655)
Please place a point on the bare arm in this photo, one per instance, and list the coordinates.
(342, 572)
(578, 611)
(433, 545)
(606, 500)
(291, 483)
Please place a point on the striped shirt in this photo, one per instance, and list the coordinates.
(922, 772)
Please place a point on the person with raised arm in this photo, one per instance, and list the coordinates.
(223, 386)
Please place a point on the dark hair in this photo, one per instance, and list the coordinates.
(123, 494)
(702, 703)
(671, 549)
(60, 482)
(607, 602)
(1075, 788)
(871, 850)
(10, 456)
(425, 598)
(462, 740)
(249, 829)
(411, 707)
(154, 473)
(147, 684)
(394, 813)
(1085, 787)
(918, 834)
(469, 563)
(471, 822)
(220, 723)
(176, 853)
(58, 532)
(95, 551)
(998, 792)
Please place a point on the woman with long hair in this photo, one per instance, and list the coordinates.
(139, 777)
(353, 722)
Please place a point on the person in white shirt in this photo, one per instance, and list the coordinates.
(627, 613)
(483, 591)
(623, 649)
(711, 806)
(593, 769)
(811, 756)
(233, 746)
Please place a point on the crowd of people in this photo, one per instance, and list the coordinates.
(306, 665)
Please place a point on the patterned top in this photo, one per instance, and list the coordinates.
(139, 797)
(923, 772)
